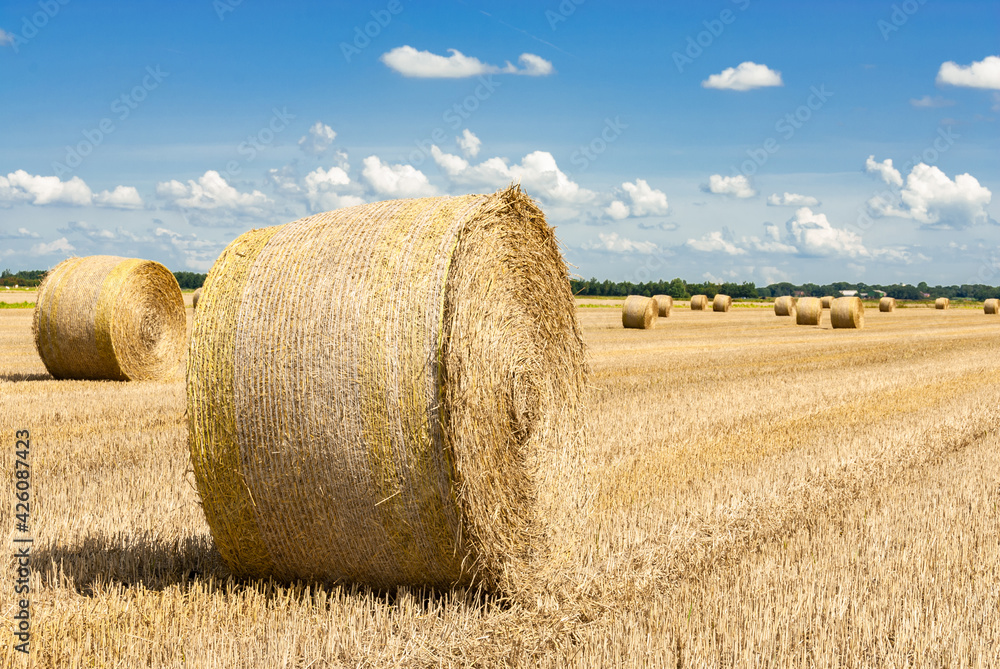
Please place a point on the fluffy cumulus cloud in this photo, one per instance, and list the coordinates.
(318, 139)
(884, 170)
(324, 189)
(617, 210)
(934, 200)
(122, 197)
(744, 77)
(715, 242)
(469, 143)
(20, 186)
(60, 246)
(198, 254)
(613, 243)
(642, 201)
(737, 186)
(982, 74)
(396, 180)
(212, 192)
(813, 235)
(426, 65)
(791, 200)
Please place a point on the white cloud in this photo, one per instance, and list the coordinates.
(122, 197)
(773, 275)
(982, 74)
(5, 37)
(715, 242)
(322, 189)
(318, 139)
(617, 210)
(469, 143)
(423, 64)
(791, 200)
(90, 232)
(813, 235)
(198, 254)
(21, 233)
(737, 186)
(396, 180)
(885, 170)
(212, 192)
(933, 199)
(60, 246)
(612, 243)
(20, 186)
(646, 201)
(744, 77)
(929, 102)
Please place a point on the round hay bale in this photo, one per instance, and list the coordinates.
(664, 303)
(639, 312)
(722, 303)
(105, 317)
(808, 311)
(826, 301)
(941, 303)
(847, 312)
(699, 302)
(195, 298)
(887, 304)
(991, 306)
(380, 419)
(784, 306)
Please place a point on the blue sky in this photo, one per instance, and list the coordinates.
(733, 140)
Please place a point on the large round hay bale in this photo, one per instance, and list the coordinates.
(847, 312)
(784, 306)
(808, 311)
(826, 301)
(722, 303)
(991, 306)
(639, 312)
(664, 303)
(941, 303)
(887, 304)
(195, 298)
(380, 418)
(105, 317)
(699, 302)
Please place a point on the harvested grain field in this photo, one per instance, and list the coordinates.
(793, 496)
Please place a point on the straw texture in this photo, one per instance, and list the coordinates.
(105, 317)
(847, 312)
(808, 311)
(699, 302)
(784, 306)
(378, 419)
(639, 312)
(826, 301)
(195, 298)
(722, 303)
(941, 303)
(887, 304)
(991, 306)
(664, 304)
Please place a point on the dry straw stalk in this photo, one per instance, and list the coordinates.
(808, 311)
(722, 303)
(379, 419)
(784, 306)
(887, 304)
(664, 303)
(639, 312)
(941, 303)
(105, 317)
(991, 306)
(847, 312)
(699, 302)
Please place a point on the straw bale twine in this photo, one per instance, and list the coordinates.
(941, 303)
(784, 306)
(826, 301)
(722, 303)
(808, 311)
(699, 302)
(639, 312)
(847, 312)
(195, 298)
(664, 304)
(380, 419)
(887, 304)
(105, 317)
(991, 306)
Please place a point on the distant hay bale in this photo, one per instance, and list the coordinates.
(380, 419)
(847, 312)
(639, 312)
(826, 301)
(722, 303)
(887, 304)
(664, 304)
(195, 298)
(991, 306)
(808, 311)
(699, 302)
(784, 306)
(105, 317)
(941, 303)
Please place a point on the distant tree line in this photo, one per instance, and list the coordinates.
(190, 280)
(33, 277)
